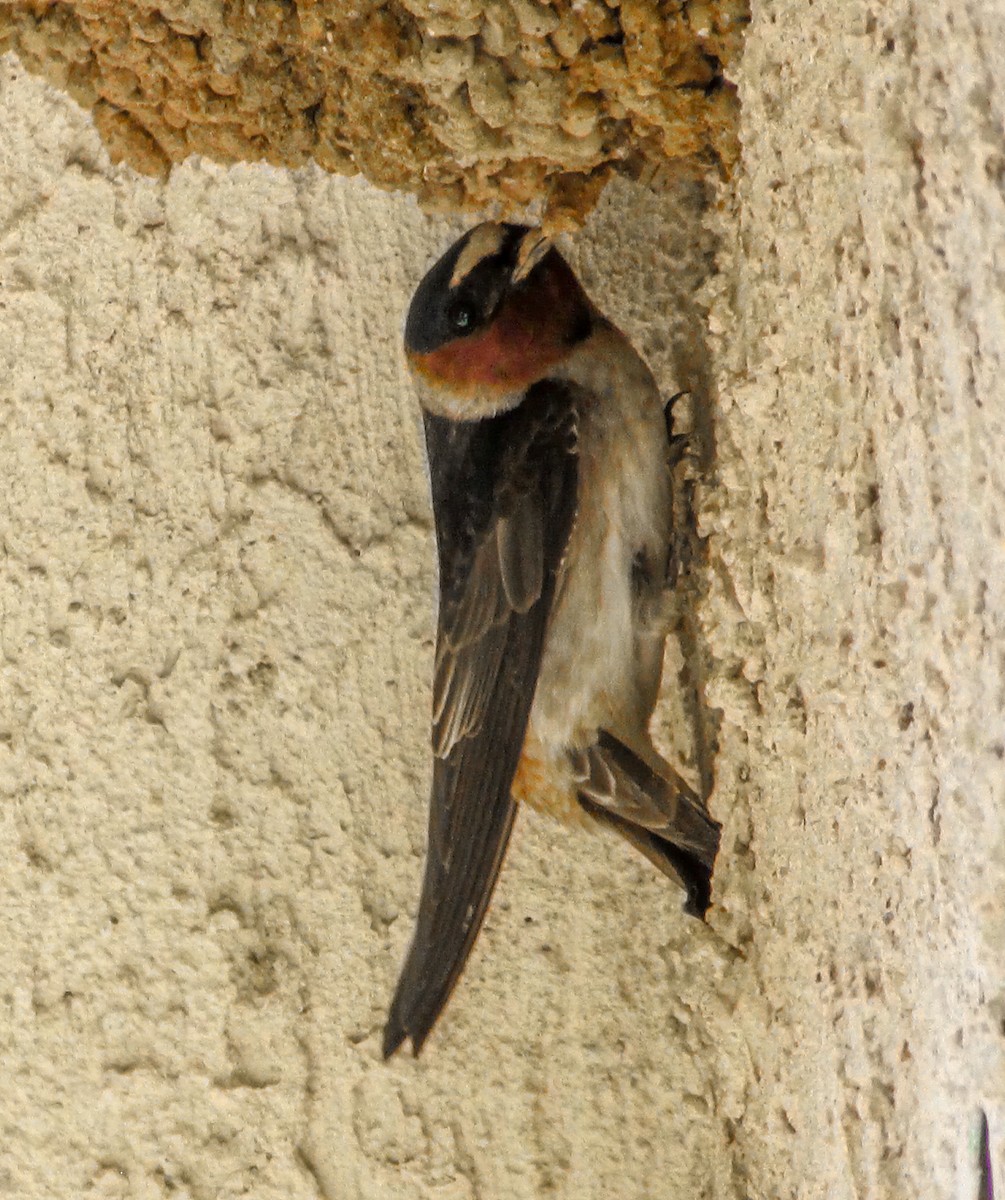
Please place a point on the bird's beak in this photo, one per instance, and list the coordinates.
(533, 247)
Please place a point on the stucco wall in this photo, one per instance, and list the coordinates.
(858, 616)
(216, 632)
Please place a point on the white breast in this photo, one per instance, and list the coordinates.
(599, 661)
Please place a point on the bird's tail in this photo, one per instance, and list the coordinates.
(658, 814)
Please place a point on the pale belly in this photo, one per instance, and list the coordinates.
(604, 647)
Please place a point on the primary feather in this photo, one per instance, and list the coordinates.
(500, 541)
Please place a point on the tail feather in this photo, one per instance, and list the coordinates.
(658, 814)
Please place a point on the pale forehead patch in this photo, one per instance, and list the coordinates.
(485, 240)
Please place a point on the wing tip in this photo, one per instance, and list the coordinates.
(986, 1186)
(399, 1029)
(394, 1035)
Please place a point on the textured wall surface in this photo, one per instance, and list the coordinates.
(217, 632)
(216, 627)
(858, 609)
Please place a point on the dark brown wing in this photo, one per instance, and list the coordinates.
(986, 1183)
(504, 493)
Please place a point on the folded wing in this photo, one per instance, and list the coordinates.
(504, 493)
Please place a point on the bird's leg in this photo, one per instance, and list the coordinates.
(678, 442)
(683, 462)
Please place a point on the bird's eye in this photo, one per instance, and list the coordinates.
(462, 316)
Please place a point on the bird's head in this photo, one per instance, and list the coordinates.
(498, 312)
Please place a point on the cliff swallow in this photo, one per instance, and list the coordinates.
(547, 447)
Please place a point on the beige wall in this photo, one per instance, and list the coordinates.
(858, 617)
(217, 597)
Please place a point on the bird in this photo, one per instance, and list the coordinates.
(548, 453)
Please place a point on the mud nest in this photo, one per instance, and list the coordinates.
(469, 104)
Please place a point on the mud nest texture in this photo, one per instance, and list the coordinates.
(468, 104)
